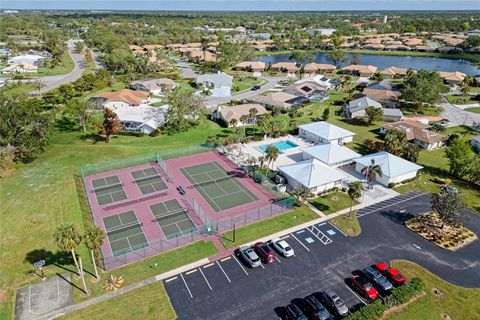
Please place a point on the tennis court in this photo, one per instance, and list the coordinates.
(108, 190)
(124, 233)
(219, 188)
(172, 218)
(149, 181)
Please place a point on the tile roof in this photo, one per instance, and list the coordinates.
(132, 97)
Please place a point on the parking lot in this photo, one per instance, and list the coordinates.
(324, 258)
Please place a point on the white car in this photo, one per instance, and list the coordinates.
(283, 247)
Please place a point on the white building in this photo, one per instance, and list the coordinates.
(141, 118)
(220, 84)
(394, 169)
(31, 59)
(331, 154)
(323, 132)
(313, 174)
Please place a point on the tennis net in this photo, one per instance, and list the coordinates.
(124, 227)
(202, 183)
(152, 177)
(169, 214)
(107, 187)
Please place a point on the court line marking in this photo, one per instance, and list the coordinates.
(191, 271)
(356, 295)
(185, 283)
(171, 279)
(223, 272)
(208, 283)
(226, 258)
(300, 242)
(208, 265)
(240, 265)
(335, 227)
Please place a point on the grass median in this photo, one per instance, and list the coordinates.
(265, 227)
(348, 223)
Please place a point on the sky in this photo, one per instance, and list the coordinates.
(243, 5)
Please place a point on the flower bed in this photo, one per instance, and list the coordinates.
(445, 236)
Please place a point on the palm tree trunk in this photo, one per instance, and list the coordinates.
(83, 276)
(94, 265)
(75, 260)
(351, 207)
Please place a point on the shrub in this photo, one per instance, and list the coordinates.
(258, 176)
(372, 311)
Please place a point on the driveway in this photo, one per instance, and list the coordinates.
(324, 258)
(459, 116)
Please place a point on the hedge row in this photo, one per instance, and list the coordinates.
(399, 296)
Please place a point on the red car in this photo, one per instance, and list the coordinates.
(365, 287)
(392, 274)
(264, 251)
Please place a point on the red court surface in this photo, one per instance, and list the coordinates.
(140, 203)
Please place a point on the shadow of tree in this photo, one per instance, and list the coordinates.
(59, 259)
(321, 206)
(397, 217)
(66, 124)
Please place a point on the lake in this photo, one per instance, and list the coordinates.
(384, 61)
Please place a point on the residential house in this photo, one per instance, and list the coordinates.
(35, 60)
(331, 154)
(394, 169)
(154, 86)
(356, 108)
(256, 66)
(308, 89)
(122, 98)
(229, 113)
(383, 85)
(20, 68)
(220, 84)
(42, 53)
(323, 132)
(417, 133)
(453, 78)
(313, 68)
(374, 46)
(199, 55)
(260, 36)
(475, 142)
(395, 72)
(141, 119)
(321, 80)
(360, 70)
(281, 100)
(387, 98)
(321, 31)
(312, 174)
(289, 67)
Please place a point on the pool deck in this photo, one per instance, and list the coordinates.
(286, 157)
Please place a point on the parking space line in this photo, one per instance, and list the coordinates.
(285, 237)
(300, 242)
(407, 198)
(191, 271)
(208, 283)
(324, 239)
(223, 271)
(261, 265)
(278, 259)
(208, 265)
(334, 226)
(321, 224)
(226, 258)
(356, 295)
(185, 283)
(240, 265)
(314, 234)
(171, 279)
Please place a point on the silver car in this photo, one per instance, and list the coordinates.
(335, 302)
(283, 247)
(378, 279)
(250, 256)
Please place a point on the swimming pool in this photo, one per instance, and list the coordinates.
(280, 145)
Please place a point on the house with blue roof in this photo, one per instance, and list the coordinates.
(394, 169)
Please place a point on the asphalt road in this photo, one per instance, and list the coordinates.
(325, 258)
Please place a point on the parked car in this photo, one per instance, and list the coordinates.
(255, 88)
(315, 309)
(335, 303)
(364, 286)
(264, 252)
(283, 247)
(378, 279)
(391, 273)
(249, 255)
(294, 312)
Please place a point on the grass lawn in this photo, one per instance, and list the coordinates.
(266, 227)
(332, 202)
(19, 89)
(457, 302)
(41, 195)
(459, 99)
(348, 224)
(64, 67)
(474, 110)
(242, 84)
(150, 302)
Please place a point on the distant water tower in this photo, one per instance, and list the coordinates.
(385, 18)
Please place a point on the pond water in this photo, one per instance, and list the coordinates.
(384, 61)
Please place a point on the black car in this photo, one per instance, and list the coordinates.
(315, 309)
(255, 88)
(294, 312)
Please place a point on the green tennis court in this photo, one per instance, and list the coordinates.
(124, 233)
(221, 190)
(108, 190)
(149, 181)
(172, 218)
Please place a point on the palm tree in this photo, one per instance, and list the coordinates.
(252, 113)
(233, 122)
(93, 238)
(68, 237)
(272, 154)
(411, 152)
(204, 45)
(302, 193)
(113, 283)
(354, 191)
(372, 171)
